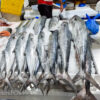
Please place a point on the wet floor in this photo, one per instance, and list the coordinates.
(30, 97)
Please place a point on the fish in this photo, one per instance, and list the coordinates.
(64, 41)
(81, 42)
(9, 55)
(20, 49)
(32, 58)
(83, 95)
(43, 41)
(85, 92)
(52, 58)
(42, 48)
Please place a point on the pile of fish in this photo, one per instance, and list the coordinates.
(39, 53)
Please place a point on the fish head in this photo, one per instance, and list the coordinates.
(54, 23)
(77, 26)
(75, 20)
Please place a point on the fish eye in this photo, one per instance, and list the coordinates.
(13, 37)
(31, 39)
(22, 37)
(75, 18)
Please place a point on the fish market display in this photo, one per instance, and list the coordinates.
(39, 53)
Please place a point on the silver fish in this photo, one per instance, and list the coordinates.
(32, 57)
(64, 39)
(81, 41)
(52, 59)
(43, 44)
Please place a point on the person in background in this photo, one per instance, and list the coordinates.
(45, 7)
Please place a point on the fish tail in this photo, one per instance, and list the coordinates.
(69, 81)
(20, 78)
(76, 78)
(88, 77)
(71, 84)
(8, 82)
(48, 87)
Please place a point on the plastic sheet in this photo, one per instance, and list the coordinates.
(92, 25)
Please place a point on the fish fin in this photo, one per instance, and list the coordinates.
(48, 88)
(24, 54)
(2, 60)
(76, 78)
(71, 84)
(41, 89)
(25, 85)
(69, 81)
(8, 82)
(3, 83)
(92, 81)
(95, 67)
(95, 41)
(21, 79)
(41, 77)
(34, 81)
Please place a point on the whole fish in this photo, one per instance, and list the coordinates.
(81, 42)
(64, 40)
(32, 57)
(50, 72)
